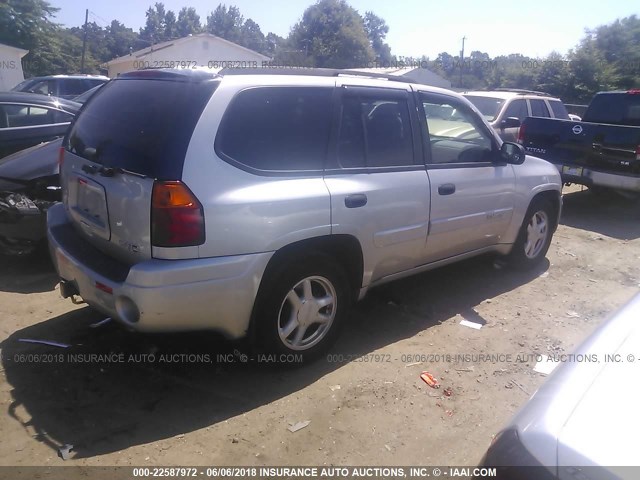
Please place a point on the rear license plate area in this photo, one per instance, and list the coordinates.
(573, 171)
(91, 207)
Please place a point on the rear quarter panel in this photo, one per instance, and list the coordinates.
(245, 212)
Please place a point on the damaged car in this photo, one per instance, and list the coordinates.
(29, 185)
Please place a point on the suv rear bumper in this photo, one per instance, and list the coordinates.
(159, 295)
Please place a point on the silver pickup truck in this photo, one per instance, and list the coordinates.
(265, 204)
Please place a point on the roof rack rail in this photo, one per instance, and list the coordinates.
(522, 91)
(315, 72)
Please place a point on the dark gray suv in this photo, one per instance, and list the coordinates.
(62, 86)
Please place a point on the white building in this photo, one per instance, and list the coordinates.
(11, 72)
(415, 74)
(203, 50)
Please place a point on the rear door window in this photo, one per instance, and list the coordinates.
(517, 109)
(375, 131)
(141, 125)
(559, 110)
(538, 108)
(277, 129)
(12, 115)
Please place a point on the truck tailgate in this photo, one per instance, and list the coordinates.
(602, 147)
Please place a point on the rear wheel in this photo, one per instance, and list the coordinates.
(301, 307)
(535, 235)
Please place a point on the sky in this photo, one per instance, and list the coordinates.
(416, 27)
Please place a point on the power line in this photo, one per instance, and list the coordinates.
(94, 14)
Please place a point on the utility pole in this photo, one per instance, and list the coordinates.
(84, 40)
(462, 60)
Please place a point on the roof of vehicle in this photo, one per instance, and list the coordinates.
(39, 99)
(507, 94)
(270, 75)
(199, 74)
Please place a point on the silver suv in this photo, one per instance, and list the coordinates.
(506, 109)
(265, 204)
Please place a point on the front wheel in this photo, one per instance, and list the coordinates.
(301, 307)
(535, 235)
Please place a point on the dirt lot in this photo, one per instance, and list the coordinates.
(143, 412)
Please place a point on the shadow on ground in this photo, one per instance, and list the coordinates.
(29, 274)
(102, 407)
(608, 214)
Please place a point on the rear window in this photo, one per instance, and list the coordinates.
(614, 108)
(559, 110)
(143, 126)
(277, 128)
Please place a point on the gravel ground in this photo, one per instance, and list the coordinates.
(174, 400)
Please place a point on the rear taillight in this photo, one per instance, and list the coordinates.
(638, 153)
(634, 91)
(177, 219)
(521, 134)
(60, 158)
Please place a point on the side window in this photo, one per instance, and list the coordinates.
(375, 131)
(559, 110)
(517, 109)
(73, 86)
(61, 117)
(538, 108)
(277, 128)
(44, 87)
(458, 136)
(25, 116)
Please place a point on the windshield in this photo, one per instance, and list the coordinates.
(614, 109)
(24, 85)
(489, 106)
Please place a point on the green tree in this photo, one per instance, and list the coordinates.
(252, 37)
(552, 75)
(119, 40)
(226, 23)
(331, 34)
(154, 28)
(188, 22)
(273, 43)
(170, 27)
(377, 29)
(618, 48)
(28, 24)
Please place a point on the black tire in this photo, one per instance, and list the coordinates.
(530, 249)
(276, 326)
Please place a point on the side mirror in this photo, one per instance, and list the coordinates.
(512, 153)
(510, 122)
